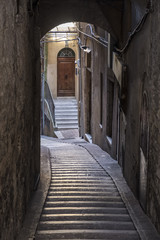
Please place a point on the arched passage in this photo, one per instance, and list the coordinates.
(105, 14)
(20, 81)
(109, 15)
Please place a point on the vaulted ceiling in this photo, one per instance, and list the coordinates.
(106, 14)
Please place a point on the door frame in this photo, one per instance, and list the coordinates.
(65, 55)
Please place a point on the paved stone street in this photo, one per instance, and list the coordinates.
(88, 197)
(83, 195)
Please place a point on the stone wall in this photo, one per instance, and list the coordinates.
(19, 113)
(139, 114)
(94, 90)
(153, 196)
(142, 59)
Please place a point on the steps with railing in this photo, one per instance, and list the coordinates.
(48, 122)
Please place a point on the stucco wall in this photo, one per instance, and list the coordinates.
(53, 50)
(19, 113)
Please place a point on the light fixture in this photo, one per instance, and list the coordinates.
(85, 49)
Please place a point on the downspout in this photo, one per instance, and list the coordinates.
(80, 93)
(43, 104)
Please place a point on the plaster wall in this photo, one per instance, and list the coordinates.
(19, 113)
(53, 50)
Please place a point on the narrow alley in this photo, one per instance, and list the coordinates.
(87, 197)
(80, 119)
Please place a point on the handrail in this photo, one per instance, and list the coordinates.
(50, 114)
(48, 97)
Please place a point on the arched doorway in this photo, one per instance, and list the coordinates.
(66, 72)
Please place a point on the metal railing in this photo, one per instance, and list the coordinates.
(47, 106)
(48, 97)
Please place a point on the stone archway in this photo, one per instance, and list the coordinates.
(105, 14)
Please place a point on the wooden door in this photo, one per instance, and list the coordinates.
(66, 76)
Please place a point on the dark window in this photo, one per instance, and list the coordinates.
(89, 100)
(101, 98)
(89, 60)
(110, 97)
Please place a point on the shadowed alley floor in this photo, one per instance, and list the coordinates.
(88, 197)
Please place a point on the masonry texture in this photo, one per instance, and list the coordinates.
(19, 114)
(142, 59)
(135, 139)
(137, 135)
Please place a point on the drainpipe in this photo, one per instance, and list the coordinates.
(80, 93)
(43, 87)
(42, 103)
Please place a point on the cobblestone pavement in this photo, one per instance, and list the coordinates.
(88, 197)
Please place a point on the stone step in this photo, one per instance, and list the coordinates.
(108, 225)
(67, 122)
(88, 180)
(65, 100)
(79, 184)
(82, 201)
(88, 234)
(78, 164)
(66, 108)
(86, 217)
(74, 177)
(74, 167)
(74, 173)
(84, 198)
(74, 170)
(89, 193)
(84, 204)
(66, 104)
(66, 111)
(66, 127)
(70, 163)
(74, 188)
(87, 173)
(81, 173)
(67, 118)
(54, 210)
(71, 112)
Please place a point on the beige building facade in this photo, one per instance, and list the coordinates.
(61, 40)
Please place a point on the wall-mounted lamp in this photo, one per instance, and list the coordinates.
(85, 49)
